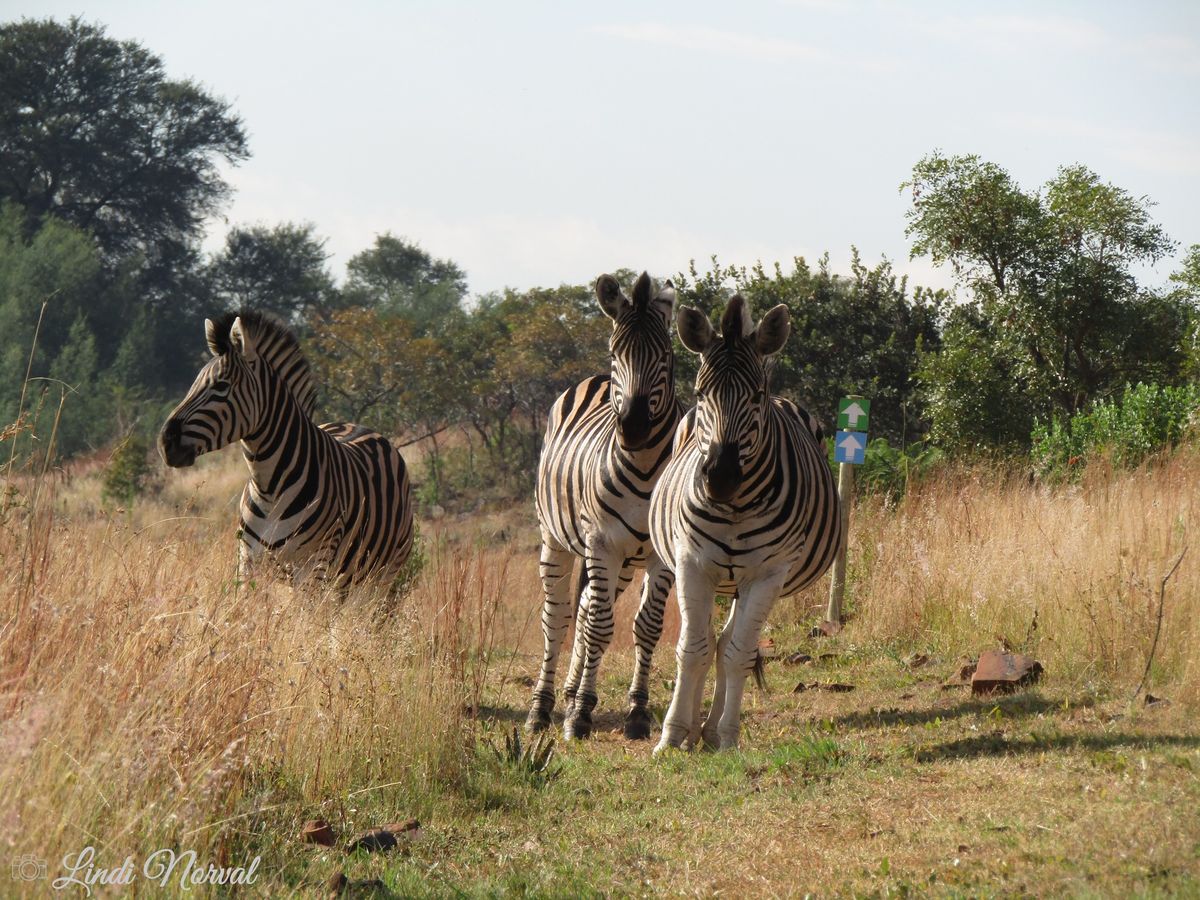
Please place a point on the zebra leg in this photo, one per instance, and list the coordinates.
(557, 609)
(740, 653)
(709, 732)
(647, 629)
(593, 639)
(693, 654)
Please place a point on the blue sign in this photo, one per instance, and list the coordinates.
(850, 447)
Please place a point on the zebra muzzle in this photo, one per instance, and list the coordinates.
(633, 424)
(722, 472)
(171, 447)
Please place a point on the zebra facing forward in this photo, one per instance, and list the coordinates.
(330, 501)
(746, 506)
(607, 440)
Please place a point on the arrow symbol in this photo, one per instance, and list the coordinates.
(853, 413)
(850, 444)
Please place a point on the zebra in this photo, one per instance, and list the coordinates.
(326, 501)
(746, 507)
(607, 440)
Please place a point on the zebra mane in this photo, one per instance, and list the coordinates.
(275, 343)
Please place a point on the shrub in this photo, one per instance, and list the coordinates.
(127, 471)
(1145, 419)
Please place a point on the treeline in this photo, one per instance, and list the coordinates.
(110, 169)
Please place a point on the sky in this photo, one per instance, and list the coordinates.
(537, 143)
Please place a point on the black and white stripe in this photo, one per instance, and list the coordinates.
(330, 501)
(607, 440)
(747, 507)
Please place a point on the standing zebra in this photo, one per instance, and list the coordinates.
(330, 501)
(746, 506)
(607, 440)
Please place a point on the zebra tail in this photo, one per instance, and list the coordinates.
(760, 671)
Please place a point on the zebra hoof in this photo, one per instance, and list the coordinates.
(638, 724)
(537, 720)
(577, 728)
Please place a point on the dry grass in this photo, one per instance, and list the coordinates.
(147, 701)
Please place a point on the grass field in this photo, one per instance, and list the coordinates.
(149, 701)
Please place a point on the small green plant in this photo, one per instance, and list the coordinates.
(532, 761)
(888, 470)
(127, 472)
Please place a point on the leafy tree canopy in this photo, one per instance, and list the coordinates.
(94, 132)
(400, 279)
(280, 269)
(1051, 271)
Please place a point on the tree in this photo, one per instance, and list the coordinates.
(1051, 272)
(93, 132)
(1187, 292)
(400, 279)
(280, 270)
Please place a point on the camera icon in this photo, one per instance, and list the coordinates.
(28, 868)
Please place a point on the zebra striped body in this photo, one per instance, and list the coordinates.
(747, 506)
(607, 440)
(327, 501)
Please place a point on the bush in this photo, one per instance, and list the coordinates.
(127, 471)
(1146, 419)
(887, 470)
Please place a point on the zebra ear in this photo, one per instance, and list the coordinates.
(213, 338)
(610, 297)
(664, 302)
(242, 342)
(695, 331)
(773, 331)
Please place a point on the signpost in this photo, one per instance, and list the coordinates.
(849, 450)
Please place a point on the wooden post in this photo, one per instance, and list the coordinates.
(837, 586)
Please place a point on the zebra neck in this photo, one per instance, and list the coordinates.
(286, 442)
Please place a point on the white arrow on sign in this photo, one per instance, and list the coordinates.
(850, 444)
(853, 413)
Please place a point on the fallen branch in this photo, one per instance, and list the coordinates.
(1162, 592)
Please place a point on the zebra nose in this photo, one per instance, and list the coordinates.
(722, 471)
(634, 422)
(170, 445)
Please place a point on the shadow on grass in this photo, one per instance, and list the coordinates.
(1014, 706)
(605, 720)
(1000, 745)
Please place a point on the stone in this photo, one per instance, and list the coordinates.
(317, 831)
(825, 629)
(998, 672)
(962, 675)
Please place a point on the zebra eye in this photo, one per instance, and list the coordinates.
(220, 387)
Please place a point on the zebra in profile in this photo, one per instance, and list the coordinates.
(746, 507)
(607, 440)
(326, 501)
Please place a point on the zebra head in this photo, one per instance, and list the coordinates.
(643, 364)
(225, 402)
(732, 395)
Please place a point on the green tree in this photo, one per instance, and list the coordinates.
(94, 132)
(1187, 292)
(1051, 272)
(280, 270)
(400, 279)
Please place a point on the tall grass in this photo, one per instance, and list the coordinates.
(980, 554)
(149, 700)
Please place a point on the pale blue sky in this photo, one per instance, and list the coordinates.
(536, 143)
